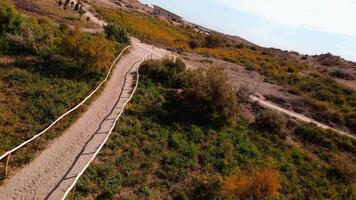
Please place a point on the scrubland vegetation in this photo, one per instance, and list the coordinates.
(45, 70)
(167, 146)
(149, 29)
(328, 100)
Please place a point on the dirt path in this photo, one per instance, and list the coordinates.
(52, 172)
(298, 116)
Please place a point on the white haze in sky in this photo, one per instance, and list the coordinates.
(333, 16)
(306, 26)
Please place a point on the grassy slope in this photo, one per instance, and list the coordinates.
(154, 154)
(35, 94)
(150, 29)
(330, 101)
(36, 88)
(51, 10)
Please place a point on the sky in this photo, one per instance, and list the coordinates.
(306, 26)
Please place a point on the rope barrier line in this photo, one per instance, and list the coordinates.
(8, 153)
(112, 128)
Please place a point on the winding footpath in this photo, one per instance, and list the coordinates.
(54, 170)
(298, 116)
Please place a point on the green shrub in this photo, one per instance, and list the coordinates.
(215, 40)
(209, 97)
(117, 33)
(314, 135)
(272, 122)
(165, 72)
(196, 133)
(11, 20)
(36, 36)
(89, 52)
(345, 167)
(193, 44)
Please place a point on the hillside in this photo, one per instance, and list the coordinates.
(324, 93)
(167, 147)
(191, 130)
(44, 73)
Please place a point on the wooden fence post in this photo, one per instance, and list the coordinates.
(7, 164)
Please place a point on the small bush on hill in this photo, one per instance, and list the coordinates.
(117, 33)
(325, 138)
(194, 44)
(92, 52)
(20, 34)
(272, 122)
(214, 40)
(36, 36)
(10, 19)
(345, 168)
(208, 95)
(165, 72)
(261, 184)
(350, 121)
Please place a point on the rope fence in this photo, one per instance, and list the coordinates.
(112, 128)
(7, 154)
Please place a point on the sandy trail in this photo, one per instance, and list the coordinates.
(54, 170)
(298, 116)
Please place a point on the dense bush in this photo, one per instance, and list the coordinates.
(325, 138)
(345, 168)
(24, 35)
(261, 184)
(209, 96)
(206, 95)
(214, 40)
(165, 72)
(36, 36)
(10, 19)
(92, 53)
(272, 122)
(117, 33)
(194, 43)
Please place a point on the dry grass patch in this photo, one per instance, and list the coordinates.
(50, 9)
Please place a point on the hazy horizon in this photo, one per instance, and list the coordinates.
(288, 26)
